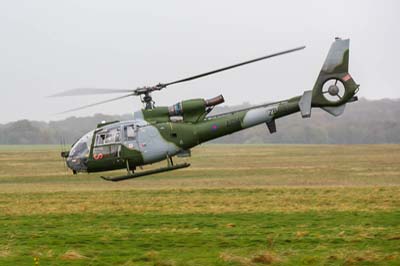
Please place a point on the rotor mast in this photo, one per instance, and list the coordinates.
(147, 100)
(145, 95)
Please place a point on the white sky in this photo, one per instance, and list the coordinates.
(47, 46)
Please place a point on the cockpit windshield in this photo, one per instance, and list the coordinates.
(81, 148)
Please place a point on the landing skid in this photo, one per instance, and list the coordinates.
(149, 172)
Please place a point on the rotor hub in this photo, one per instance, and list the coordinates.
(333, 90)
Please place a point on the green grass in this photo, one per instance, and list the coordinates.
(332, 238)
(236, 205)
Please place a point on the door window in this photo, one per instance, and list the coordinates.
(108, 136)
(129, 132)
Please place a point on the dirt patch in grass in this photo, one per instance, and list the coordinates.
(301, 234)
(227, 257)
(72, 255)
(397, 237)
(5, 253)
(356, 257)
(265, 258)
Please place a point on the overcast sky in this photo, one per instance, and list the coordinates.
(50, 46)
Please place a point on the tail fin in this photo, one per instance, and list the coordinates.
(334, 86)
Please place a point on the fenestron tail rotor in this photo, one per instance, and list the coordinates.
(145, 92)
(333, 90)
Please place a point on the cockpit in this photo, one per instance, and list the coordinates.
(107, 141)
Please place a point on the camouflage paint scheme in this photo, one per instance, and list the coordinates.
(160, 135)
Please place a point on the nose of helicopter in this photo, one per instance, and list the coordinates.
(77, 157)
(77, 164)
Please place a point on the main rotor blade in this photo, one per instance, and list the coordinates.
(98, 103)
(233, 66)
(88, 91)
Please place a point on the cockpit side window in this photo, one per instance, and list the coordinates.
(108, 136)
(129, 133)
(100, 137)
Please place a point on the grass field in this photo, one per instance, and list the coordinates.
(236, 205)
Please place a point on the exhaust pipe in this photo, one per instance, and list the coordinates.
(215, 101)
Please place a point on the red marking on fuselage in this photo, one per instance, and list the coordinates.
(346, 78)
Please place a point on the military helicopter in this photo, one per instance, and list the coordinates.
(159, 133)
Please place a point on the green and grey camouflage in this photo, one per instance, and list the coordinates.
(160, 133)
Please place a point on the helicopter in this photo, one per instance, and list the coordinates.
(160, 133)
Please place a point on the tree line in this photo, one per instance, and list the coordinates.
(363, 122)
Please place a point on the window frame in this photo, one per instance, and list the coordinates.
(104, 132)
(125, 131)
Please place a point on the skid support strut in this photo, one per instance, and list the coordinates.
(170, 167)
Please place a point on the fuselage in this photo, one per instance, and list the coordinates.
(138, 142)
